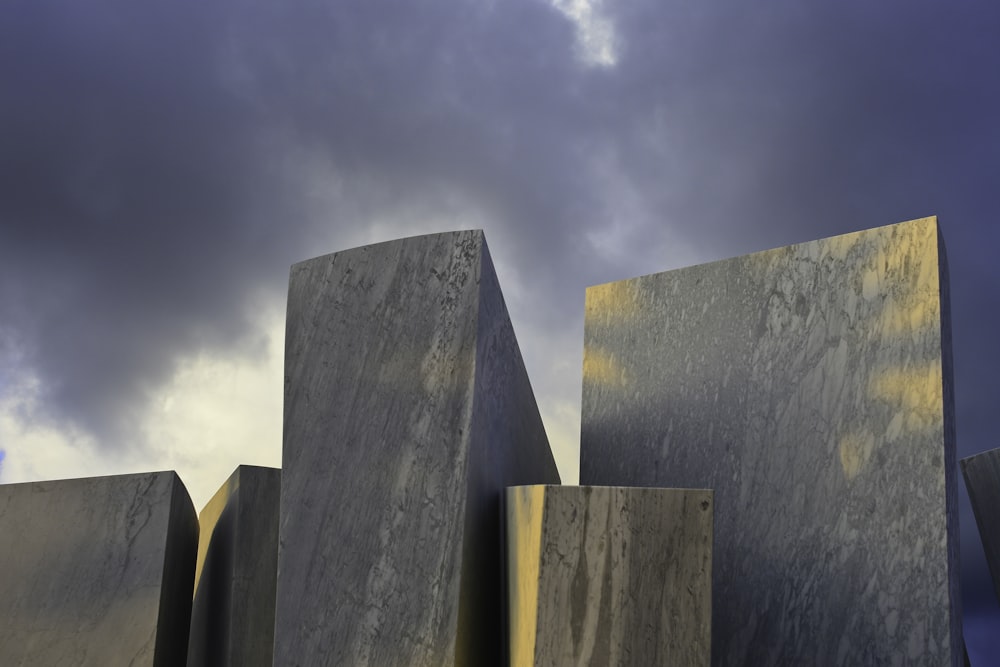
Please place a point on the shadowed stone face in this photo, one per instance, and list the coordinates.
(609, 576)
(232, 616)
(96, 571)
(407, 411)
(810, 387)
(982, 479)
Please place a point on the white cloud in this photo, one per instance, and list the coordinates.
(213, 415)
(595, 33)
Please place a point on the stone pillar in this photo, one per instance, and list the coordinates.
(982, 479)
(96, 571)
(609, 576)
(232, 618)
(810, 387)
(407, 412)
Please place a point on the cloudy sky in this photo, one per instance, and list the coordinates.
(163, 163)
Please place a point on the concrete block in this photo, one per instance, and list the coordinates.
(96, 571)
(982, 479)
(407, 412)
(810, 387)
(609, 576)
(232, 618)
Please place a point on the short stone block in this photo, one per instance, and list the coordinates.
(96, 571)
(609, 576)
(407, 412)
(232, 618)
(810, 387)
(982, 479)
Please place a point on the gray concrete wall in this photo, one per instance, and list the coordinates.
(810, 387)
(96, 571)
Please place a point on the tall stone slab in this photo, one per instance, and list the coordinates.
(232, 617)
(810, 387)
(96, 571)
(407, 412)
(982, 479)
(609, 576)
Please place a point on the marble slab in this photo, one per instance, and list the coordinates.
(609, 576)
(232, 616)
(407, 412)
(810, 387)
(982, 480)
(96, 571)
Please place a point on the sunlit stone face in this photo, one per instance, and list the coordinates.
(810, 387)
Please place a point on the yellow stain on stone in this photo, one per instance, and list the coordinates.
(613, 301)
(855, 452)
(525, 512)
(917, 391)
(917, 308)
(209, 518)
(601, 368)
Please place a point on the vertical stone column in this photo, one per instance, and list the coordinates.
(232, 618)
(96, 571)
(609, 576)
(407, 412)
(810, 387)
(982, 479)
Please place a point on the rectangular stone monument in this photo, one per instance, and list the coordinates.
(609, 576)
(982, 479)
(407, 412)
(810, 387)
(96, 571)
(232, 617)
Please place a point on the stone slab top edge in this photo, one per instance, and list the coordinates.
(989, 452)
(61, 480)
(601, 486)
(369, 246)
(177, 481)
(932, 219)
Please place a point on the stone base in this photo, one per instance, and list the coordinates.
(609, 576)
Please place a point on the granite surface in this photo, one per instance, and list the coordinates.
(96, 571)
(232, 617)
(407, 412)
(609, 576)
(982, 479)
(810, 387)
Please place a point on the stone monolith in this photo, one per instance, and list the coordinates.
(96, 571)
(407, 412)
(811, 387)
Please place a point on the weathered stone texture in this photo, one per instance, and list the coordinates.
(609, 576)
(407, 411)
(810, 387)
(96, 571)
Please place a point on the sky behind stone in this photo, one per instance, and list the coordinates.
(162, 165)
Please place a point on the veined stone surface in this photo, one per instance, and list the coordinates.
(810, 387)
(407, 412)
(232, 617)
(982, 479)
(609, 576)
(96, 571)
